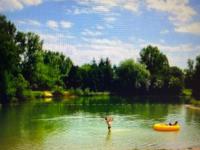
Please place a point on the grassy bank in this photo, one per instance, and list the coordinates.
(189, 99)
(63, 93)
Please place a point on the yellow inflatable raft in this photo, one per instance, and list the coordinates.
(166, 127)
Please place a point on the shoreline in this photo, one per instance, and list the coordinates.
(190, 106)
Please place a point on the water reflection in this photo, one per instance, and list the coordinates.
(108, 137)
(77, 123)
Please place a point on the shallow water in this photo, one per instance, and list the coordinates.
(79, 124)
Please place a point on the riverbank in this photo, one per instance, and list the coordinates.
(63, 93)
(190, 100)
(192, 107)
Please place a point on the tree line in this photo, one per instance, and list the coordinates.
(24, 64)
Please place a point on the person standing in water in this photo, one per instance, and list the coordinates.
(109, 122)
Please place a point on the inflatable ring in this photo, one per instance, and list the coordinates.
(166, 127)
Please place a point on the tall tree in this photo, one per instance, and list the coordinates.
(157, 64)
(132, 77)
(58, 66)
(10, 59)
(105, 75)
(31, 44)
(175, 80)
(189, 73)
(155, 61)
(196, 79)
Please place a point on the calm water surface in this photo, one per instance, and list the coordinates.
(79, 124)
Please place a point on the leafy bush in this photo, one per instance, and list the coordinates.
(58, 91)
(21, 86)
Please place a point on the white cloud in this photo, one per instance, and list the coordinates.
(52, 24)
(88, 10)
(101, 8)
(11, 5)
(180, 13)
(169, 48)
(88, 32)
(99, 27)
(131, 5)
(55, 38)
(90, 48)
(176, 54)
(116, 50)
(192, 28)
(179, 10)
(165, 31)
(106, 6)
(78, 11)
(29, 22)
(66, 24)
(109, 19)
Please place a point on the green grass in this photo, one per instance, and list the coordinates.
(187, 92)
(195, 102)
(56, 93)
(87, 92)
(33, 94)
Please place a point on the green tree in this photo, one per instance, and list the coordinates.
(196, 79)
(58, 67)
(105, 75)
(175, 80)
(21, 85)
(156, 62)
(132, 77)
(189, 72)
(31, 45)
(10, 59)
(74, 78)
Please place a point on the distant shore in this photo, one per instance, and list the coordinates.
(64, 93)
(190, 106)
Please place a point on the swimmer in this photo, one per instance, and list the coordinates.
(175, 123)
(109, 122)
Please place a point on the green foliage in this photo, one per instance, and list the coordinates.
(132, 76)
(195, 102)
(176, 80)
(77, 91)
(187, 92)
(32, 45)
(21, 85)
(164, 79)
(196, 79)
(43, 69)
(59, 66)
(97, 77)
(9, 87)
(46, 76)
(58, 91)
(192, 76)
(175, 85)
(156, 62)
(189, 72)
(24, 61)
(10, 59)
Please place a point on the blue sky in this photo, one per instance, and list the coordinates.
(118, 29)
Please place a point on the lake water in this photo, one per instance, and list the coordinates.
(79, 124)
